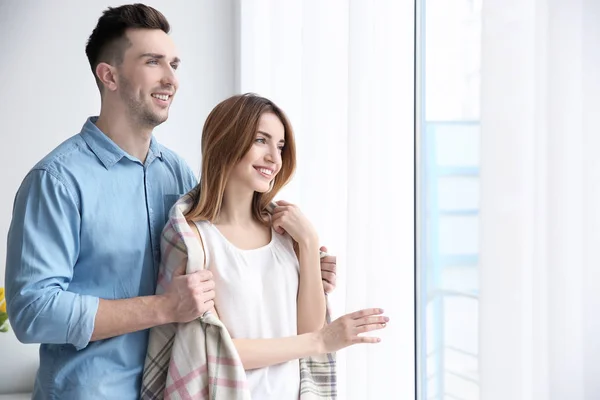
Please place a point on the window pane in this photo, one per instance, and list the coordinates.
(448, 198)
(457, 193)
(457, 144)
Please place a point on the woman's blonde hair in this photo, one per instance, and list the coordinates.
(228, 134)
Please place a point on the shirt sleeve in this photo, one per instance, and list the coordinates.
(43, 246)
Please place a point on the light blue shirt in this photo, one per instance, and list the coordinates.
(86, 225)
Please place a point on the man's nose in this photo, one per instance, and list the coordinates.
(170, 79)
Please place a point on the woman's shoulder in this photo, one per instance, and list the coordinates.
(198, 226)
(284, 239)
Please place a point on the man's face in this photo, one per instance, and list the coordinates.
(146, 78)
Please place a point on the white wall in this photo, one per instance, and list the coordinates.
(49, 91)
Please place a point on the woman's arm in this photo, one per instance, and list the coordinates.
(311, 304)
(259, 353)
(341, 333)
(311, 297)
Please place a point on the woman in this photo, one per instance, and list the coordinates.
(266, 268)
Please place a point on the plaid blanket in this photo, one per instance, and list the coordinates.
(198, 360)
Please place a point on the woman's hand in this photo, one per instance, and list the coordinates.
(288, 218)
(345, 331)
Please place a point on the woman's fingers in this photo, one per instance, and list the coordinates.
(369, 320)
(282, 207)
(369, 328)
(365, 339)
(372, 320)
(276, 223)
(283, 203)
(349, 329)
(277, 227)
(367, 312)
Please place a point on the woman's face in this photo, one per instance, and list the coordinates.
(262, 162)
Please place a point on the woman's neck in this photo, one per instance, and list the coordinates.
(236, 209)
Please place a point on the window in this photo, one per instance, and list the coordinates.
(448, 197)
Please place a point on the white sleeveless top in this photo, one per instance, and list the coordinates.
(256, 298)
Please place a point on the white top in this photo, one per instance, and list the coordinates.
(256, 292)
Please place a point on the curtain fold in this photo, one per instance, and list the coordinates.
(540, 219)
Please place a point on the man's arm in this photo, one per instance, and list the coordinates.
(187, 297)
(118, 317)
(43, 246)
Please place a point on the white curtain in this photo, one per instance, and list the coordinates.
(343, 72)
(540, 221)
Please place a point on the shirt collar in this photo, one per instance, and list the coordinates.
(107, 151)
(154, 151)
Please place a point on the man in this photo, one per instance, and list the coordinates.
(83, 245)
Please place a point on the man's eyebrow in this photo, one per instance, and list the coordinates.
(268, 135)
(159, 56)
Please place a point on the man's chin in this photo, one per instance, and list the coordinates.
(156, 119)
(161, 120)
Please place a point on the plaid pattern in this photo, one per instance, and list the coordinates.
(198, 360)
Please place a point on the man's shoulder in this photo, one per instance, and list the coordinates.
(62, 155)
(57, 167)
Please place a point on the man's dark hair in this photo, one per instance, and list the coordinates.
(108, 41)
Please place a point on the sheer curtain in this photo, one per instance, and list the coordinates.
(344, 73)
(540, 281)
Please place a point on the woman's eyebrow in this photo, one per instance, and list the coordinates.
(268, 135)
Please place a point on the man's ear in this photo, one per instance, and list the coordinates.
(106, 73)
